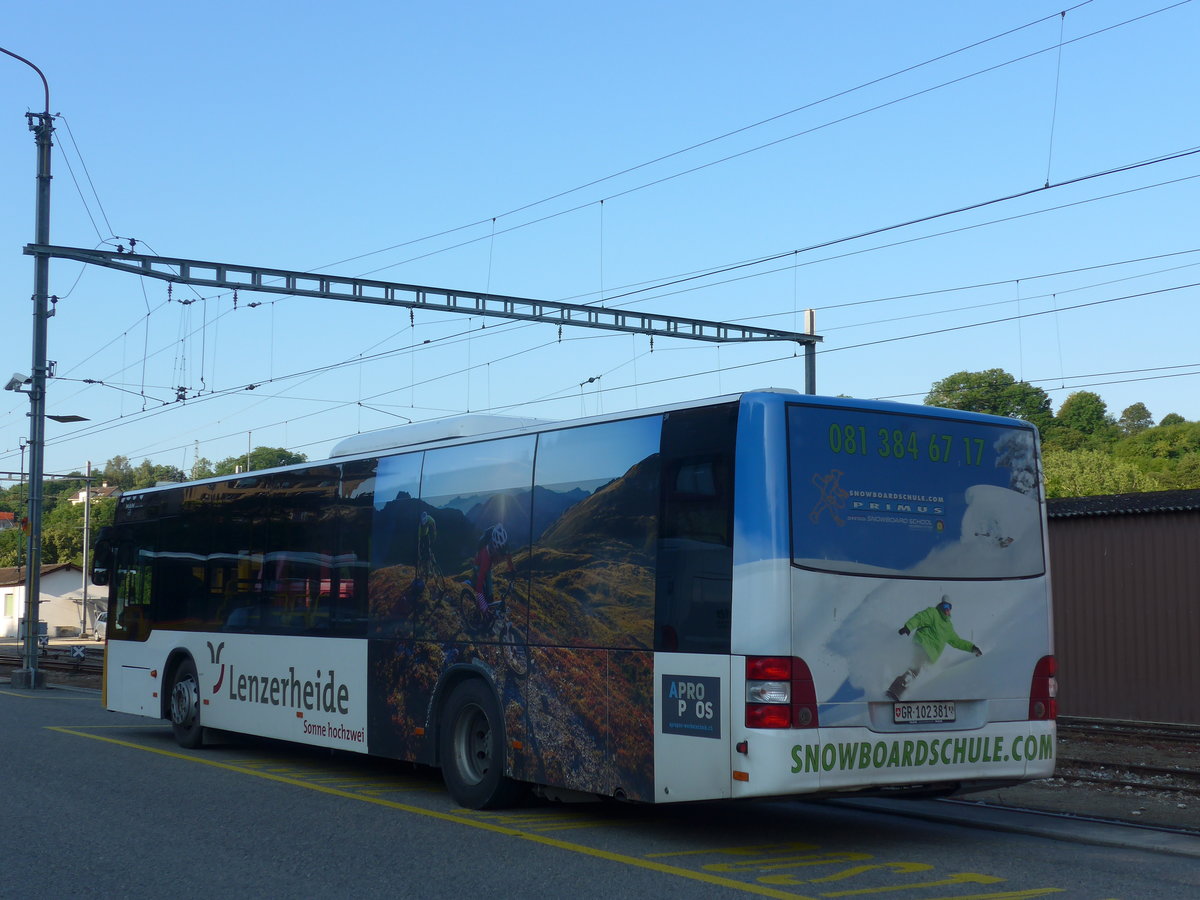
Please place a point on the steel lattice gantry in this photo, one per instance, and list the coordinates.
(228, 276)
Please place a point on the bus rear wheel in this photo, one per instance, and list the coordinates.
(471, 748)
(185, 706)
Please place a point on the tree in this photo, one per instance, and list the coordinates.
(1184, 476)
(62, 529)
(147, 475)
(1172, 419)
(1135, 418)
(118, 472)
(1171, 453)
(992, 391)
(1084, 412)
(1085, 473)
(1082, 422)
(201, 468)
(12, 540)
(260, 458)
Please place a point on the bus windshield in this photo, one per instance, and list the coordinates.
(902, 495)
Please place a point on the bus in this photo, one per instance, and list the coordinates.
(766, 594)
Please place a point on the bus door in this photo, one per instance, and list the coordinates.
(693, 606)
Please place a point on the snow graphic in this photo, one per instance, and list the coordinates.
(936, 510)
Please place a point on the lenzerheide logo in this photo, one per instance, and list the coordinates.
(214, 656)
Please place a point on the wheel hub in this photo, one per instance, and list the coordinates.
(185, 699)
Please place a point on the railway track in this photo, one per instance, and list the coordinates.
(1119, 728)
(1130, 775)
(1146, 756)
(91, 664)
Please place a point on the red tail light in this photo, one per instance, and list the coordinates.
(780, 693)
(1043, 690)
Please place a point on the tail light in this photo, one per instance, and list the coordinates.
(780, 693)
(1043, 691)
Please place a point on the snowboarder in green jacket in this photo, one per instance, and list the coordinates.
(931, 631)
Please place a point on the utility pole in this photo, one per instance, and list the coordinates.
(87, 540)
(42, 126)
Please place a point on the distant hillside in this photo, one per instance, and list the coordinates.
(622, 512)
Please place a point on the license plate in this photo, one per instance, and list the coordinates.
(923, 713)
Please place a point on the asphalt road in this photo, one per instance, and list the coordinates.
(103, 804)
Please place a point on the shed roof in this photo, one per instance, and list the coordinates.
(1123, 504)
(15, 575)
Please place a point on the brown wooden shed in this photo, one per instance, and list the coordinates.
(1125, 580)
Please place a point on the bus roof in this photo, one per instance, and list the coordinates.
(472, 425)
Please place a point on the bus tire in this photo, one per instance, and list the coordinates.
(471, 749)
(185, 706)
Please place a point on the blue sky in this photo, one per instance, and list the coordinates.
(341, 137)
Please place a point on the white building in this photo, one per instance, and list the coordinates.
(61, 601)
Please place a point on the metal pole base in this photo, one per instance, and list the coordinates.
(28, 678)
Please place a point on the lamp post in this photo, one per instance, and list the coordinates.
(42, 126)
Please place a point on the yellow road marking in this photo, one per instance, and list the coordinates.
(44, 694)
(636, 862)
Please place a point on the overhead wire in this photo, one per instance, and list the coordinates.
(596, 181)
(465, 332)
(712, 140)
(730, 157)
(755, 363)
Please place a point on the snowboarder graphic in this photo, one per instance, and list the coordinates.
(931, 631)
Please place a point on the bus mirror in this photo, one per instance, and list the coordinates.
(102, 559)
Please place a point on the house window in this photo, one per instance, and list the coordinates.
(8, 604)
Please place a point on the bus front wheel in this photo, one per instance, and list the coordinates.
(471, 745)
(185, 706)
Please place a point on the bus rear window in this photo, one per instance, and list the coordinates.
(882, 493)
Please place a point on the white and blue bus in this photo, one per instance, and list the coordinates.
(767, 594)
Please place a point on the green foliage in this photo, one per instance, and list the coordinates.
(1085, 473)
(118, 472)
(201, 468)
(1135, 419)
(11, 542)
(992, 391)
(148, 475)
(1084, 411)
(259, 458)
(1171, 453)
(1166, 442)
(62, 532)
(1084, 450)
(1082, 423)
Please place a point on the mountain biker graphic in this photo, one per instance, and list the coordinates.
(931, 631)
(426, 535)
(493, 546)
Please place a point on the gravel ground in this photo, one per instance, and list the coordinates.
(1158, 801)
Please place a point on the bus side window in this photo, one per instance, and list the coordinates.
(694, 590)
(129, 619)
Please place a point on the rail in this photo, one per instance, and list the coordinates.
(53, 661)
(1124, 728)
(1148, 756)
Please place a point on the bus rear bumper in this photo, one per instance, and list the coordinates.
(836, 760)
